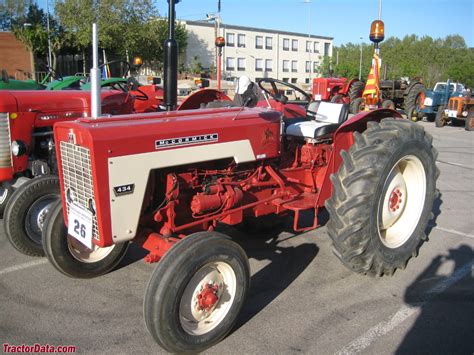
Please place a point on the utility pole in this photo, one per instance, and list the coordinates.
(309, 39)
(50, 61)
(360, 59)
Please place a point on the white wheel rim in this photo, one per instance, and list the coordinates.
(218, 276)
(401, 205)
(85, 255)
(3, 194)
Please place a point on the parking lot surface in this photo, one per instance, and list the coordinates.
(302, 299)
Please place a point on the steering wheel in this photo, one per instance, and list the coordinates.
(51, 73)
(127, 66)
(133, 85)
(275, 93)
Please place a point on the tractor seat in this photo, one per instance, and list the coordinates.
(324, 119)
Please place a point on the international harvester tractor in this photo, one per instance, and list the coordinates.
(168, 180)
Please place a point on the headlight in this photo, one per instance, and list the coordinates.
(428, 101)
(19, 148)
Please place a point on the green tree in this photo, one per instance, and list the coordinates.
(11, 11)
(30, 29)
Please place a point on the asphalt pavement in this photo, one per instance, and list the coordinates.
(302, 299)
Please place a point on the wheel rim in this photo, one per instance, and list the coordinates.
(402, 202)
(85, 255)
(3, 194)
(36, 216)
(207, 298)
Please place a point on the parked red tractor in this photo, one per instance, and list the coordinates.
(338, 90)
(167, 180)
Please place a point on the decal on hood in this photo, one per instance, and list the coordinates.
(181, 141)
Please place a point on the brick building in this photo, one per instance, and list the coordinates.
(14, 56)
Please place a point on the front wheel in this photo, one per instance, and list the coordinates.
(469, 125)
(6, 191)
(413, 114)
(338, 99)
(440, 119)
(383, 196)
(388, 104)
(196, 292)
(26, 212)
(70, 256)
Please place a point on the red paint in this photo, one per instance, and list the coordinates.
(207, 298)
(395, 200)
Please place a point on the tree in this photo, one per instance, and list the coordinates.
(11, 10)
(30, 29)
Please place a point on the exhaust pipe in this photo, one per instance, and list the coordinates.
(171, 61)
(95, 76)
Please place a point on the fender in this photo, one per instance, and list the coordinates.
(343, 139)
(203, 96)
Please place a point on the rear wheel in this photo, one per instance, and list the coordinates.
(196, 292)
(70, 256)
(440, 120)
(339, 99)
(26, 212)
(383, 197)
(356, 89)
(414, 97)
(357, 105)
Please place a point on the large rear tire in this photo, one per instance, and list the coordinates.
(70, 256)
(357, 105)
(413, 98)
(383, 197)
(26, 212)
(469, 125)
(356, 89)
(196, 292)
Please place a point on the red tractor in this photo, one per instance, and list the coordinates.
(338, 90)
(26, 129)
(166, 181)
(27, 151)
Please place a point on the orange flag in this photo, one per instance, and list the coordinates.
(372, 86)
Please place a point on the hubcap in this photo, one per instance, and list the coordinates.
(402, 203)
(207, 298)
(85, 255)
(36, 216)
(3, 195)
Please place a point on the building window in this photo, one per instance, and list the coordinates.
(286, 80)
(268, 65)
(230, 39)
(259, 42)
(230, 63)
(306, 81)
(241, 64)
(258, 64)
(308, 46)
(307, 67)
(286, 65)
(316, 47)
(294, 66)
(315, 67)
(294, 45)
(327, 47)
(286, 44)
(294, 80)
(268, 43)
(241, 40)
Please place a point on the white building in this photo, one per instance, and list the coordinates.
(257, 53)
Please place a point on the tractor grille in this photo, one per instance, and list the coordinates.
(5, 143)
(77, 175)
(453, 105)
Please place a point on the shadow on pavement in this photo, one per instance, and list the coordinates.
(445, 324)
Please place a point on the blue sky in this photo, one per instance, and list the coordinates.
(345, 20)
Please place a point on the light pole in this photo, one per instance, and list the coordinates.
(50, 61)
(309, 38)
(360, 59)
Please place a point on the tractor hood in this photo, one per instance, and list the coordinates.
(61, 101)
(8, 102)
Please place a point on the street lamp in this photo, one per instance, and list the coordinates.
(360, 60)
